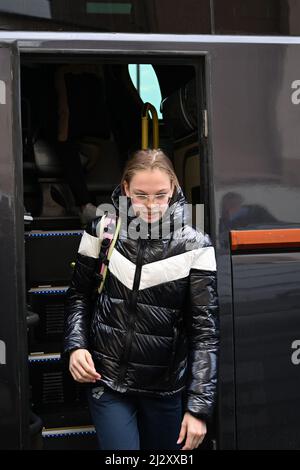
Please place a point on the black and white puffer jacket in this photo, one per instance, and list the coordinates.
(154, 328)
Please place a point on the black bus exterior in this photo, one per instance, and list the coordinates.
(249, 143)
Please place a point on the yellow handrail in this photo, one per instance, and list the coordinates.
(145, 126)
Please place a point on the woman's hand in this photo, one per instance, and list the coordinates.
(82, 367)
(193, 429)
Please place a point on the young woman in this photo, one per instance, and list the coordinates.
(149, 344)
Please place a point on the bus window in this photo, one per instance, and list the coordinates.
(145, 81)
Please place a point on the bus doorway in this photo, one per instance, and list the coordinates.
(81, 116)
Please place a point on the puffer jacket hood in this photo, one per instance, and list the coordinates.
(153, 330)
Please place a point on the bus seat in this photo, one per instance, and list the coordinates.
(99, 159)
(101, 165)
(83, 121)
(180, 116)
(179, 111)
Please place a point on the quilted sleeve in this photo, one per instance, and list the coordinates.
(203, 333)
(81, 291)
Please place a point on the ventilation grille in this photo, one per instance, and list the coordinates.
(54, 319)
(52, 388)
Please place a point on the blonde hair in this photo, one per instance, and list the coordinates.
(148, 160)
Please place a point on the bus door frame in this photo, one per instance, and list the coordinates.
(14, 393)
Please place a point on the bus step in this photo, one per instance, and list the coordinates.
(54, 223)
(48, 303)
(49, 256)
(69, 438)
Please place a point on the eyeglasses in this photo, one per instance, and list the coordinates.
(158, 198)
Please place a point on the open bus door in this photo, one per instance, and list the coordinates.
(14, 402)
(48, 386)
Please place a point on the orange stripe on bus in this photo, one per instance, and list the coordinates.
(273, 238)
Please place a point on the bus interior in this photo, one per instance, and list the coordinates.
(94, 107)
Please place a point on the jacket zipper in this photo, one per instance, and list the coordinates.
(133, 303)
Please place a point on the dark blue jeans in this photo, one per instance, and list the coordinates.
(135, 422)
